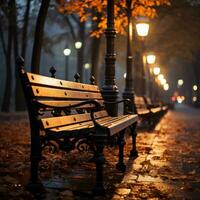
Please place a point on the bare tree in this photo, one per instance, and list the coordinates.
(39, 31)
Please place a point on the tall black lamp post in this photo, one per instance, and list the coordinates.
(142, 30)
(129, 89)
(109, 89)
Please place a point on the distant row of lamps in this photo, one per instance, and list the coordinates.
(67, 50)
(151, 59)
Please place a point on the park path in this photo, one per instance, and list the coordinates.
(168, 166)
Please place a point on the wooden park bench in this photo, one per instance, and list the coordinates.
(147, 114)
(65, 114)
(157, 107)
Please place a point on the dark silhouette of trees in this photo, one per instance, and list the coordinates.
(38, 37)
(7, 16)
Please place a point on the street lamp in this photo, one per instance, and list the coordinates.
(163, 81)
(180, 82)
(166, 86)
(151, 58)
(142, 29)
(142, 26)
(160, 77)
(156, 71)
(195, 88)
(66, 52)
(78, 45)
(87, 66)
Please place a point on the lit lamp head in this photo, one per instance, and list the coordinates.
(195, 88)
(78, 45)
(151, 58)
(166, 86)
(160, 77)
(87, 66)
(180, 82)
(142, 26)
(156, 71)
(163, 81)
(67, 51)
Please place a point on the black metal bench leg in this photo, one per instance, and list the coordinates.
(121, 142)
(35, 184)
(134, 152)
(99, 160)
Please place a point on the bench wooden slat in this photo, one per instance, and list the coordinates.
(112, 124)
(52, 82)
(121, 124)
(143, 112)
(39, 91)
(81, 125)
(156, 110)
(51, 122)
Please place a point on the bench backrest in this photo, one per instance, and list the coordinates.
(148, 100)
(46, 94)
(140, 103)
(57, 92)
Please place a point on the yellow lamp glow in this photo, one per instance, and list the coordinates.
(160, 77)
(151, 59)
(180, 82)
(195, 88)
(166, 86)
(156, 71)
(87, 66)
(194, 99)
(163, 81)
(67, 52)
(78, 44)
(142, 29)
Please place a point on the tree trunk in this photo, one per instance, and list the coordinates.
(8, 82)
(19, 96)
(39, 31)
(25, 29)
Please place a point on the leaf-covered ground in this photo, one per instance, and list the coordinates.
(168, 166)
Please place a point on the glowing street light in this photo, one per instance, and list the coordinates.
(180, 82)
(163, 81)
(87, 66)
(78, 45)
(156, 71)
(166, 87)
(142, 27)
(194, 99)
(151, 58)
(160, 77)
(195, 88)
(124, 75)
(67, 51)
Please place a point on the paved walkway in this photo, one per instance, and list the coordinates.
(168, 166)
(169, 163)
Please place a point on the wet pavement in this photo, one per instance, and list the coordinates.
(168, 166)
